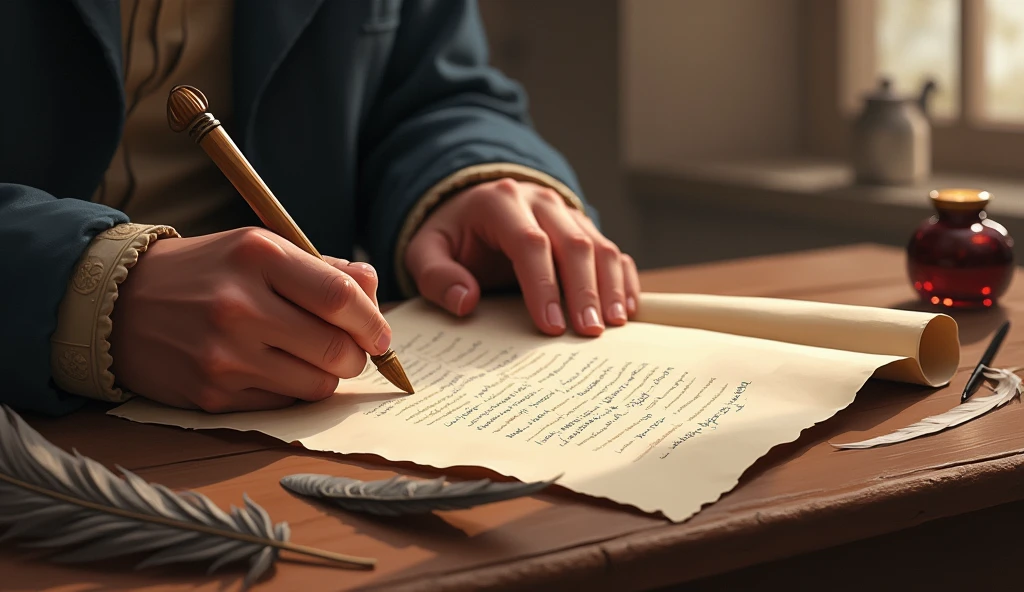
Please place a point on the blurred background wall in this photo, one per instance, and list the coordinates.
(711, 129)
(708, 79)
(567, 54)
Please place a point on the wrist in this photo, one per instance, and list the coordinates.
(80, 348)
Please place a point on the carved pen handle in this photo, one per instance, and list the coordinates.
(187, 110)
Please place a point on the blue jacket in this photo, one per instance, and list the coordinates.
(349, 109)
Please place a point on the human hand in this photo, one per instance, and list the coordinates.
(495, 233)
(242, 320)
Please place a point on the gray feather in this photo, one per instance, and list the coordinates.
(1007, 387)
(400, 495)
(86, 533)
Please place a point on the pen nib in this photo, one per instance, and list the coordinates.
(388, 365)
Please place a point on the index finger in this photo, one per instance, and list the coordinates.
(330, 294)
(526, 244)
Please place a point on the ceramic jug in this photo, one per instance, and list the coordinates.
(892, 138)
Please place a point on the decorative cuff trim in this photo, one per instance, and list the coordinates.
(456, 182)
(80, 353)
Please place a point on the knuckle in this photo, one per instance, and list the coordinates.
(499, 198)
(579, 244)
(252, 245)
(547, 284)
(506, 186)
(228, 308)
(608, 250)
(628, 260)
(550, 196)
(587, 294)
(338, 290)
(214, 364)
(535, 239)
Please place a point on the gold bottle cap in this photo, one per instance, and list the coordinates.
(960, 199)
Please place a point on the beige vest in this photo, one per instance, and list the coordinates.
(156, 175)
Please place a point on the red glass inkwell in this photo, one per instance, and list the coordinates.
(959, 258)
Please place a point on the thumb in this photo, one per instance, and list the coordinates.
(438, 276)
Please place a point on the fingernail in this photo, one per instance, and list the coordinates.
(454, 298)
(554, 315)
(365, 266)
(590, 318)
(631, 304)
(618, 312)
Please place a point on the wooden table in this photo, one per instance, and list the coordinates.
(931, 510)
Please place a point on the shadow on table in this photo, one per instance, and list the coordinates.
(974, 324)
(455, 540)
(102, 437)
(117, 574)
(450, 525)
(876, 403)
(194, 475)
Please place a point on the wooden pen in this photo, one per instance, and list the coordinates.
(187, 110)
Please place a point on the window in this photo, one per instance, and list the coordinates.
(919, 40)
(1004, 60)
(972, 49)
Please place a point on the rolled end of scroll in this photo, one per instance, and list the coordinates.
(184, 105)
(939, 350)
(938, 356)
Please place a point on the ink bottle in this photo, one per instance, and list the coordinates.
(959, 257)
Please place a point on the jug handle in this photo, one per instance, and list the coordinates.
(926, 91)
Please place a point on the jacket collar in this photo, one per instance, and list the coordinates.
(265, 30)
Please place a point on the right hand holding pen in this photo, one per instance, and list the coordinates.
(242, 320)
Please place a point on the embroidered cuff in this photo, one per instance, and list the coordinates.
(456, 182)
(79, 354)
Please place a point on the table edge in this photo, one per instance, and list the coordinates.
(651, 557)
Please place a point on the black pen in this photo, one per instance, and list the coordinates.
(977, 377)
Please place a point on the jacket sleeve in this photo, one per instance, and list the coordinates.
(441, 109)
(41, 239)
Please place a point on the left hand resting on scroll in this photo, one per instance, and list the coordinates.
(493, 234)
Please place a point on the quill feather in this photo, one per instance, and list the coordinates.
(59, 500)
(400, 495)
(1007, 387)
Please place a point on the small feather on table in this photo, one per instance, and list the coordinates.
(1007, 387)
(400, 495)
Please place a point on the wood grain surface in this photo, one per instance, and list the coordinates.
(802, 498)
